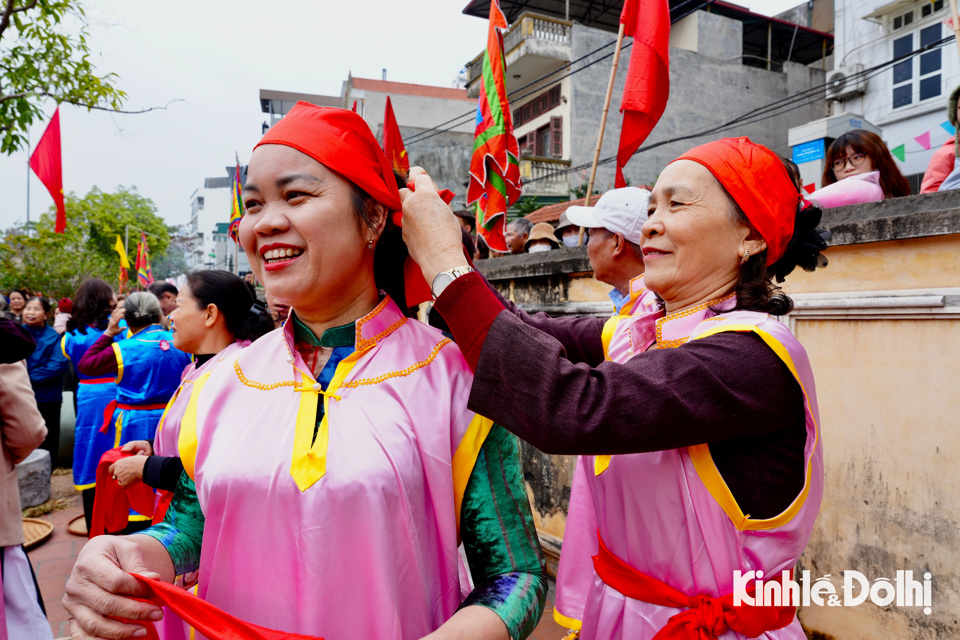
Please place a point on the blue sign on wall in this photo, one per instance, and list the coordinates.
(809, 151)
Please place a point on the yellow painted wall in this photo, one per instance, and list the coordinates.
(898, 264)
(889, 396)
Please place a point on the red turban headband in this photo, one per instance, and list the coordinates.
(340, 140)
(758, 182)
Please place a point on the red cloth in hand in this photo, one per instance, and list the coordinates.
(112, 502)
(704, 617)
(417, 289)
(204, 617)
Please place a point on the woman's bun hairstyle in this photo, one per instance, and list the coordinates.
(245, 317)
(141, 309)
(805, 247)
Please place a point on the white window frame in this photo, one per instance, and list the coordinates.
(913, 31)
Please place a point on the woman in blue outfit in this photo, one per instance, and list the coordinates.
(47, 366)
(147, 367)
(92, 306)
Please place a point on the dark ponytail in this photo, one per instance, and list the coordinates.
(245, 316)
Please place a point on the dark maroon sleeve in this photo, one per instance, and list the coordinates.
(719, 388)
(99, 360)
(470, 305)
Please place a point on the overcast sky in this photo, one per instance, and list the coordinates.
(215, 56)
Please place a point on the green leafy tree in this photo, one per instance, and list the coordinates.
(56, 263)
(526, 206)
(581, 191)
(43, 55)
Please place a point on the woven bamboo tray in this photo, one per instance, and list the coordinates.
(36, 532)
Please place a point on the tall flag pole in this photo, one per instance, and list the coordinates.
(144, 272)
(393, 142)
(647, 87)
(46, 162)
(495, 166)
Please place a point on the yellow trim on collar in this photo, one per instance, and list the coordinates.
(116, 351)
(707, 469)
(187, 441)
(309, 461)
(564, 621)
(465, 458)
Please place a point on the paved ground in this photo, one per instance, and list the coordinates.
(53, 561)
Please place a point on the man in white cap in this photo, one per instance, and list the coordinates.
(614, 225)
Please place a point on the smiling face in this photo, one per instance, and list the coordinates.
(691, 245)
(34, 315)
(189, 322)
(17, 302)
(301, 233)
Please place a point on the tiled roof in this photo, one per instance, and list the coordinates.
(551, 213)
(404, 88)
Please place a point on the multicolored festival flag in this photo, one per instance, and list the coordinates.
(647, 86)
(46, 163)
(236, 206)
(495, 166)
(393, 142)
(144, 272)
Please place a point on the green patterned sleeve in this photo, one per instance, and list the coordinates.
(181, 531)
(500, 538)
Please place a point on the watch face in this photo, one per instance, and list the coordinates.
(441, 282)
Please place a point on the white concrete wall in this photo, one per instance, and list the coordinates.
(870, 42)
(411, 111)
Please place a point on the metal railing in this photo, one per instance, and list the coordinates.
(527, 26)
(546, 176)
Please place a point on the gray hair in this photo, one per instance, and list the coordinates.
(522, 225)
(141, 309)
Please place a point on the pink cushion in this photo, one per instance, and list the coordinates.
(857, 189)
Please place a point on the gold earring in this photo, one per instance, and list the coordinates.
(746, 256)
(370, 244)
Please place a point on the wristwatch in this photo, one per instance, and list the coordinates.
(443, 279)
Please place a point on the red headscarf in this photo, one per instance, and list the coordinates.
(340, 140)
(758, 182)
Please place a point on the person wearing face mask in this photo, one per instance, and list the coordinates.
(614, 225)
(568, 232)
(541, 238)
(47, 366)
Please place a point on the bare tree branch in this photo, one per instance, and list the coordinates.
(24, 94)
(111, 109)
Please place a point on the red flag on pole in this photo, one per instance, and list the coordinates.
(393, 143)
(46, 163)
(354, 106)
(648, 76)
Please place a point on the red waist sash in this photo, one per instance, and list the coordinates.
(98, 380)
(204, 617)
(704, 617)
(112, 502)
(109, 409)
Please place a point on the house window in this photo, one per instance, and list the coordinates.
(903, 20)
(931, 7)
(545, 142)
(918, 78)
(537, 106)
